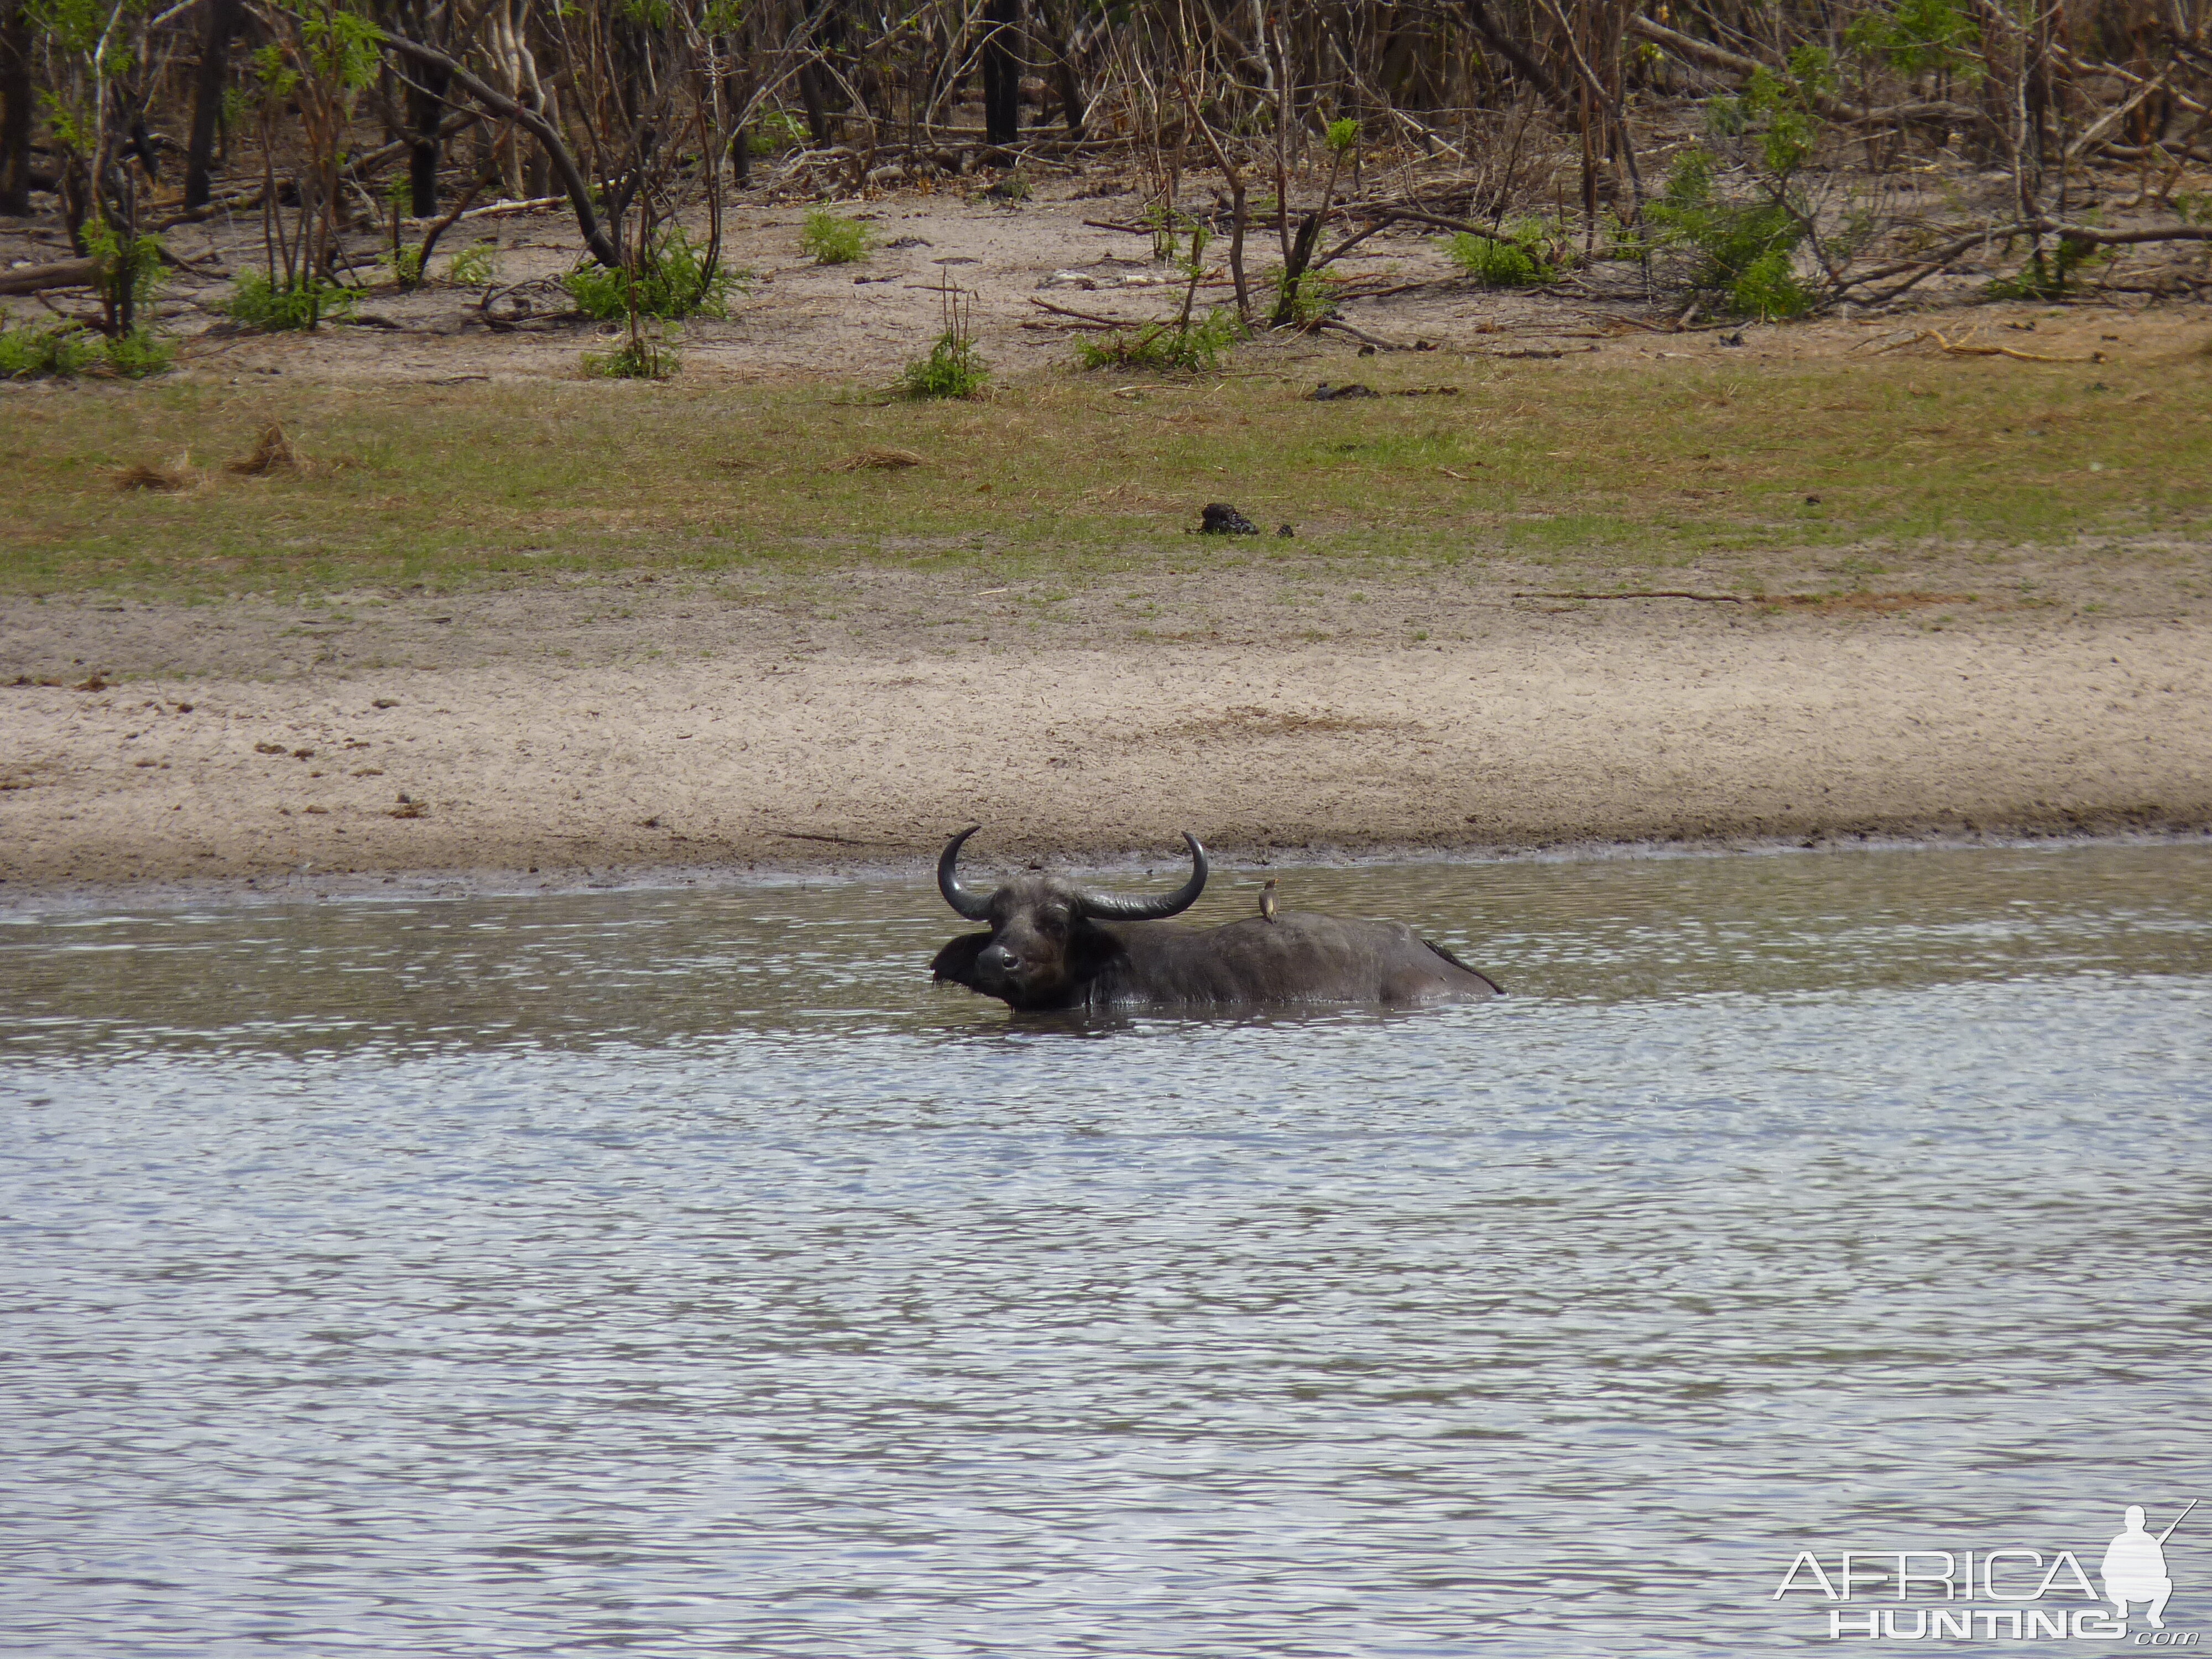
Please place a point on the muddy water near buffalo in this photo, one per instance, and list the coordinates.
(680, 1272)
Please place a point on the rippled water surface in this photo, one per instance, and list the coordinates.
(680, 1272)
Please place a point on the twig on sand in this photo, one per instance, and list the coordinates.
(1362, 336)
(1854, 600)
(1647, 594)
(1967, 348)
(1089, 317)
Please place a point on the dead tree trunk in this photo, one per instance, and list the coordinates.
(1002, 72)
(426, 109)
(1065, 72)
(223, 20)
(16, 96)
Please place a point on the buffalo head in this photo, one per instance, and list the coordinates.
(1044, 944)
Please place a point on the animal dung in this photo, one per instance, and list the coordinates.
(1284, 531)
(1219, 518)
(1326, 393)
(273, 453)
(880, 460)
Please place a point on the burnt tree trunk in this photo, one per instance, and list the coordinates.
(208, 84)
(812, 94)
(15, 96)
(426, 109)
(825, 34)
(1002, 72)
(1064, 69)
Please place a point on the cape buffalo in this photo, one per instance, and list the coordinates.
(1055, 945)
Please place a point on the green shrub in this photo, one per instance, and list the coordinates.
(1621, 242)
(260, 303)
(129, 273)
(1523, 254)
(36, 354)
(2050, 277)
(474, 265)
(29, 354)
(641, 357)
(1769, 287)
(776, 130)
(1304, 302)
(1746, 250)
(1195, 347)
(672, 281)
(140, 355)
(954, 369)
(1166, 226)
(1920, 37)
(1496, 263)
(834, 240)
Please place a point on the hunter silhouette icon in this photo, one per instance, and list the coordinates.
(2135, 1567)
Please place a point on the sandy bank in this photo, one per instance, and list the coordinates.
(565, 742)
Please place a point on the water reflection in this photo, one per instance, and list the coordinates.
(680, 1272)
(651, 967)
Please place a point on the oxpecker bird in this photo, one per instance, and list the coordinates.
(1267, 899)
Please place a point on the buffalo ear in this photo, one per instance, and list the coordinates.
(955, 962)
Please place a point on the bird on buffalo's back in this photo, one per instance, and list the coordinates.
(1267, 900)
(1054, 944)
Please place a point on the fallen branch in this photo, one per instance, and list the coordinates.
(500, 210)
(2095, 235)
(362, 165)
(1362, 336)
(2081, 66)
(1091, 317)
(1966, 348)
(66, 273)
(1649, 593)
(206, 210)
(1856, 599)
(1386, 212)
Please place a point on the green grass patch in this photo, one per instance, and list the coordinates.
(834, 239)
(281, 306)
(673, 279)
(1616, 461)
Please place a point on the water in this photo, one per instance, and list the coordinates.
(677, 1272)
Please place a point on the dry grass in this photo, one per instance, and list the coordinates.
(880, 460)
(163, 480)
(1587, 464)
(272, 453)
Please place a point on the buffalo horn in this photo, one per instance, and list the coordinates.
(1107, 908)
(972, 905)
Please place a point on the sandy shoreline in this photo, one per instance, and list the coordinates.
(560, 746)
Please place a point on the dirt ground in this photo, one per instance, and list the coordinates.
(1074, 243)
(257, 744)
(586, 730)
